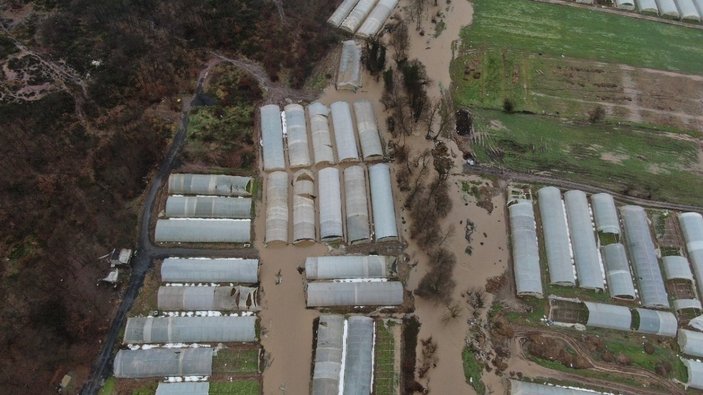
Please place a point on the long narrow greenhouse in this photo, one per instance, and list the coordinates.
(303, 206)
(383, 207)
(206, 270)
(357, 15)
(347, 267)
(190, 329)
(203, 231)
(185, 388)
(367, 127)
(617, 270)
(277, 207)
(556, 237)
(349, 71)
(328, 355)
(356, 205)
(605, 214)
(373, 24)
(528, 279)
(160, 362)
(377, 293)
(272, 138)
(297, 136)
(205, 298)
(358, 361)
(330, 201)
(638, 240)
(692, 227)
(583, 242)
(208, 207)
(344, 132)
(209, 184)
(323, 150)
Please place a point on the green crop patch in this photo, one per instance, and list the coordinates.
(238, 387)
(558, 30)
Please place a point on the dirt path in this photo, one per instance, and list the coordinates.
(629, 88)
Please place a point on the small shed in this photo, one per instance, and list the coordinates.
(120, 257)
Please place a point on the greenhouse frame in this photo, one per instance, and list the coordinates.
(297, 136)
(617, 270)
(692, 228)
(226, 329)
(277, 207)
(383, 206)
(638, 240)
(376, 293)
(373, 24)
(688, 11)
(330, 201)
(323, 150)
(528, 279)
(526, 388)
(583, 242)
(662, 323)
(206, 298)
(185, 388)
(609, 316)
(625, 4)
(272, 138)
(347, 267)
(160, 362)
(208, 207)
(556, 237)
(605, 214)
(357, 15)
(344, 132)
(668, 9)
(328, 355)
(371, 147)
(206, 270)
(356, 205)
(695, 373)
(303, 206)
(209, 184)
(203, 231)
(341, 13)
(358, 365)
(691, 342)
(349, 71)
(648, 7)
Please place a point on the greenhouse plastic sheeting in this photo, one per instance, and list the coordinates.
(687, 304)
(377, 18)
(356, 204)
(303, 206)
(296, 126)
(691, 342)
(159, 362)
(605, 214)
(198, 270)
(357, 15)
(203, 230)
(277, 207)
(526, 388)
(349, 71)
(583, 242)
(625, 4)
(341, 12)
(692, 227)
(190, 329)
(208, 207)
(662, 323)
(383, 207)
(368, 130)
(699, 6)
(358, 365)
(344, 132)
(330, 202)
(209, 184)
(328, 355)
(648, 7)
(272, 138)
(608, 316)
(346, 267)
(667, 8)
(556, 237)
(320, 131)
(643, 255)
(203, 298)
(695, 373)
(528, 279)
(688, 11)
(187, 388)
(617, 270)
(676, 267)
(322, 294)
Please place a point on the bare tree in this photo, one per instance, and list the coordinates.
(400, 41)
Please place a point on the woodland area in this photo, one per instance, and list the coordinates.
(87, 107)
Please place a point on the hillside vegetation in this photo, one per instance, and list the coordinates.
(87, 110)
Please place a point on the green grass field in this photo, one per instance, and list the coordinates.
(472, 371)
(385, 378)
(239, 387)
(560, 30)
(623, 158)
(236, 361)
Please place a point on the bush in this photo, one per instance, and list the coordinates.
(597, 115)
(508, 105)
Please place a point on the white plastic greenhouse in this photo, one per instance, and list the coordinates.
(272, 138)
(367, 127)
(209, 184)
(297, 136)
(160, 362)
(357, 15)
(320, 132)
(277, 207)
(225, 329)
(188, 230)
(303, 206)
(347, 267)
(377, 18)
(583, 242)
(341, 12)
(349, 71)
(208, 270)
(330, 201)
(383, 207)
(528, 279)
(556, 237)
(356, 205)
(344, 132)
(208, 207)
(617, 270)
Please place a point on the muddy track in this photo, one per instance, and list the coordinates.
(521, 334)
(510, 175)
